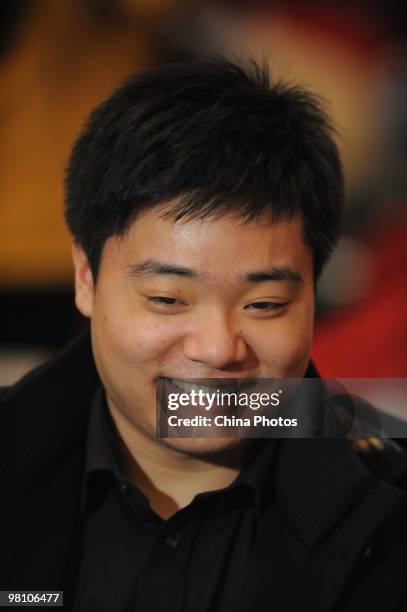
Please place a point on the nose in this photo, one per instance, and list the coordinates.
(216, 342)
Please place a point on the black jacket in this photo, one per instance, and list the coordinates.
(339, 543)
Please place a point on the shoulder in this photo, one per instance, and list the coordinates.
(3, 392)
(44, 417)
(385, 458)
(378, 438)
(70, 372)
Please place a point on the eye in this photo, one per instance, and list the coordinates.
(266, 306)
(165, 304)
(162, 299)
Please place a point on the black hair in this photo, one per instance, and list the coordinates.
(213, 136)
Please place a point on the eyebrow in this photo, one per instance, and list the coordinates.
(151, 267)
(282, 273)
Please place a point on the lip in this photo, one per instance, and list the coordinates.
(226, 383)
(192, 409)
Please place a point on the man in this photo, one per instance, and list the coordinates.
(204, 202)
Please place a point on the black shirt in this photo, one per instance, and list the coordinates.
(195, 561)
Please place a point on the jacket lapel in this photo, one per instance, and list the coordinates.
(327, 509)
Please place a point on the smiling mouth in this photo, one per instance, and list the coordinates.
(210, 385)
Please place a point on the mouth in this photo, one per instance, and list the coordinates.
(209, 385)
(216, 395)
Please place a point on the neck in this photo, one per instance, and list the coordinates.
(170, 478)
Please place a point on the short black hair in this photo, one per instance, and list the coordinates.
(213, 136)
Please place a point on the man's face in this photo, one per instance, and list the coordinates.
(196, 299)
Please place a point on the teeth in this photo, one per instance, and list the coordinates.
(188, 387)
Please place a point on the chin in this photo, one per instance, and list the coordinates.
(201, 447)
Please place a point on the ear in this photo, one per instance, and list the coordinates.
(84, 286)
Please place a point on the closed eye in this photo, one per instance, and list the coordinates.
(162, 299)
(266, 306)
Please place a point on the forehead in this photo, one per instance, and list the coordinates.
(216, 246)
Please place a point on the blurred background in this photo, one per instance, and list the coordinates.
(59, 58)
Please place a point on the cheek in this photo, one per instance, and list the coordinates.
(288, 345)
(297, 343)
(285, 344)
(132, 337)
(297, 352)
